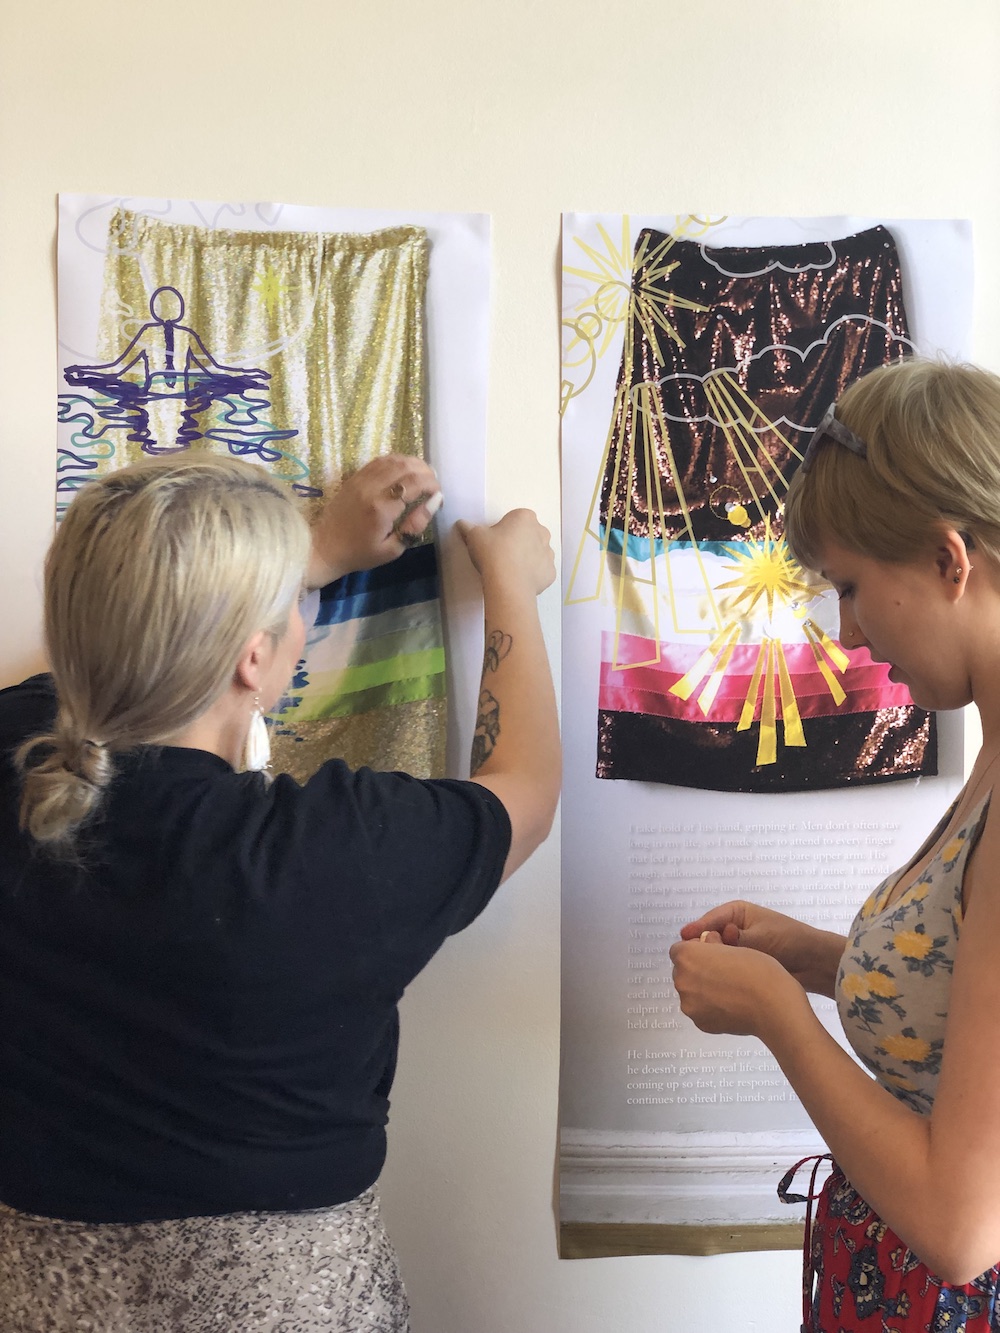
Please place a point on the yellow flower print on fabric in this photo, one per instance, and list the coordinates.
(854, 985)
(953, 850)
(921, 951)
(870, 992)
(881, 985)
(876, 899)
(893, 989)
(869, 907)
(912, 943)
(919, 890)
(911, 1050)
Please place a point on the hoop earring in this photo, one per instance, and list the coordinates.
(257, 746)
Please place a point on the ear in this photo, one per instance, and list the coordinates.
(253, 661)
(951, 559)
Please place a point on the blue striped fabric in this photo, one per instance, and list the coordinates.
(411, 578)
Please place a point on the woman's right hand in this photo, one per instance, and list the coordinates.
(811, 956)
(517, 549)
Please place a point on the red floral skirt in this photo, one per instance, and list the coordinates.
(859, 1277)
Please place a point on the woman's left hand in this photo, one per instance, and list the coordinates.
(372, 517)
(723, 989)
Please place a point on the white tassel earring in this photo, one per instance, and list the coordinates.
(257, 747)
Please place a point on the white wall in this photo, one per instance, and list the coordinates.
(883, 107)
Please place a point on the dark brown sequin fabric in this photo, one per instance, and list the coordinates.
(781, 332)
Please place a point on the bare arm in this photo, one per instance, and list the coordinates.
(934, 1178)
(516, 751)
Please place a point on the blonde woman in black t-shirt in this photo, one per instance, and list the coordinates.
(199, 971)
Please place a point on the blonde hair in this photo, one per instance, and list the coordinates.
(156, 580)
(932, 432)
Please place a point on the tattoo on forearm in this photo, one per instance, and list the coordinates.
(487, 731)
(484, 742)
(498, 645)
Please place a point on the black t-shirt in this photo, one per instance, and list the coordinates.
(201, 1017)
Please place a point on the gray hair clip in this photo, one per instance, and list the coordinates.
(831, 429)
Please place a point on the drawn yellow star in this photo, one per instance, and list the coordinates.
(270, 287)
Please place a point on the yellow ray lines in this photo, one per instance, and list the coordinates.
(623, 578)
(649, 303)
(590, 529)
(735, 413)
(794, 735)
(770, 681)
(821, 643)
(649, 409)
(713, 663)
(632, 289)
(614, 298)
(771, 662)
(771, 666)
(611, 276)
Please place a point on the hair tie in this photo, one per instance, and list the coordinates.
(92, 749)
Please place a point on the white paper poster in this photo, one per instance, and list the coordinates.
(158, 373)
(719, 741)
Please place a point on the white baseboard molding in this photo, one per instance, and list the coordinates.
(697, 1179)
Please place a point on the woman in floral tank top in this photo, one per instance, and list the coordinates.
(896, 504)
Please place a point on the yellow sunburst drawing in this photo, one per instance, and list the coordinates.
(744, 425)
(610, 280)
(766, 572)
(593, 322)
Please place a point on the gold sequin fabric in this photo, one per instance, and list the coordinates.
(322, 1271)
(326, 327)
(384, 739)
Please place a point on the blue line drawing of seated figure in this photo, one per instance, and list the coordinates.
(166, 361)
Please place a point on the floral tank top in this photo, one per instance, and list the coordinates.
(894, 981)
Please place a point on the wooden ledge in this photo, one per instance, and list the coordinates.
(606, 1240)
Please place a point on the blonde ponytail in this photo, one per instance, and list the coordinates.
(157, 578)
(63, 780)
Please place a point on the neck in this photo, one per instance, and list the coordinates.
(221, 729)
(984, 652)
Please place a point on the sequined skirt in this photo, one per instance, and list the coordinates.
(731, 357)
(297, 1272)
(714, 676)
